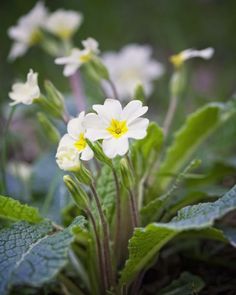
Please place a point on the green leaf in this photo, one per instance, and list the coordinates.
(196, 129)
(186, 284)
(13, 209)
(146, 242)
(33, 254)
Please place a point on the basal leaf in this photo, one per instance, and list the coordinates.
(33, 254)
(13, 209)
(186, 284)
(196, 129)
(146, 242)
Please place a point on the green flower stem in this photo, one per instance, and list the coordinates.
(101, 261)
(4, 149)
(170, 114)
(133, 209)
(118, 215)
(107, 254)
(113, 88)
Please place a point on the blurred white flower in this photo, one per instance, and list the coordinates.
(27, 31)
(25, 92)
(63, 23)
(73, 146)
(20, 169)
(184, 55)
(116, 125)
(78, 57)
(131, 66)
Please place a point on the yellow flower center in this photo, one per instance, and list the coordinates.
(86, 57)
(177, 60)
(81, 143)
(64, 33)
(117, 128)
(35, 37)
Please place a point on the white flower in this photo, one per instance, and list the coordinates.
(116, 125)
(73, 146)
(131, 66)
(78, 57)
(25, 92)
(63, 23)
(184, 55)
(27, 31)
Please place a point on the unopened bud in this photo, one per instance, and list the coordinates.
(139, 92)
(99, 68)
(49, 130)
(177, 82)
(98, 153)
(54, 95)
(84, 175)
(79, 196)
(126, 174)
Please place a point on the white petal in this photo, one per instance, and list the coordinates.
(18, 49)
(138, 128)
(70, 69)
(92, 120)
(96, 134)
(66, 140)
(75, 127)
(113, 147)
(110, 110)
(133, 110)
(87, 154)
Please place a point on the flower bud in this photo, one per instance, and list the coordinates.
(99, 68)
(83, 175)
(139, 92)
(126, 174)
(98, 153)
(79, 196)
(177, 82)
(54, 95)
(49, 130)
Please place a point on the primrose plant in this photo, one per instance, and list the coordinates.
(122, 173)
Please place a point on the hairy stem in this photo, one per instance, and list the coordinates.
(107, 254)
(170, 114)
(133, 208)
(101, 261)
(118, 215)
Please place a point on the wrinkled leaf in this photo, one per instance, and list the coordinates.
(186, 284)
(196, 129)
(33, 254)
(13, 209)
(146, 242)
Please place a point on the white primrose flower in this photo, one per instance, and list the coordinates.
(25, 92)
(63, 23)
(115, 125)
(131, 66)
(78, 57)
(27, 31)
(184, 55)
(73, 146)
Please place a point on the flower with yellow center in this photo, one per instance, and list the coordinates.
(63, 23)
(78, 57)
(115, 125)
(73, 146)
(27, 32)
(178, 59)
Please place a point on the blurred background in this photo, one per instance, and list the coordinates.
(169, 27)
